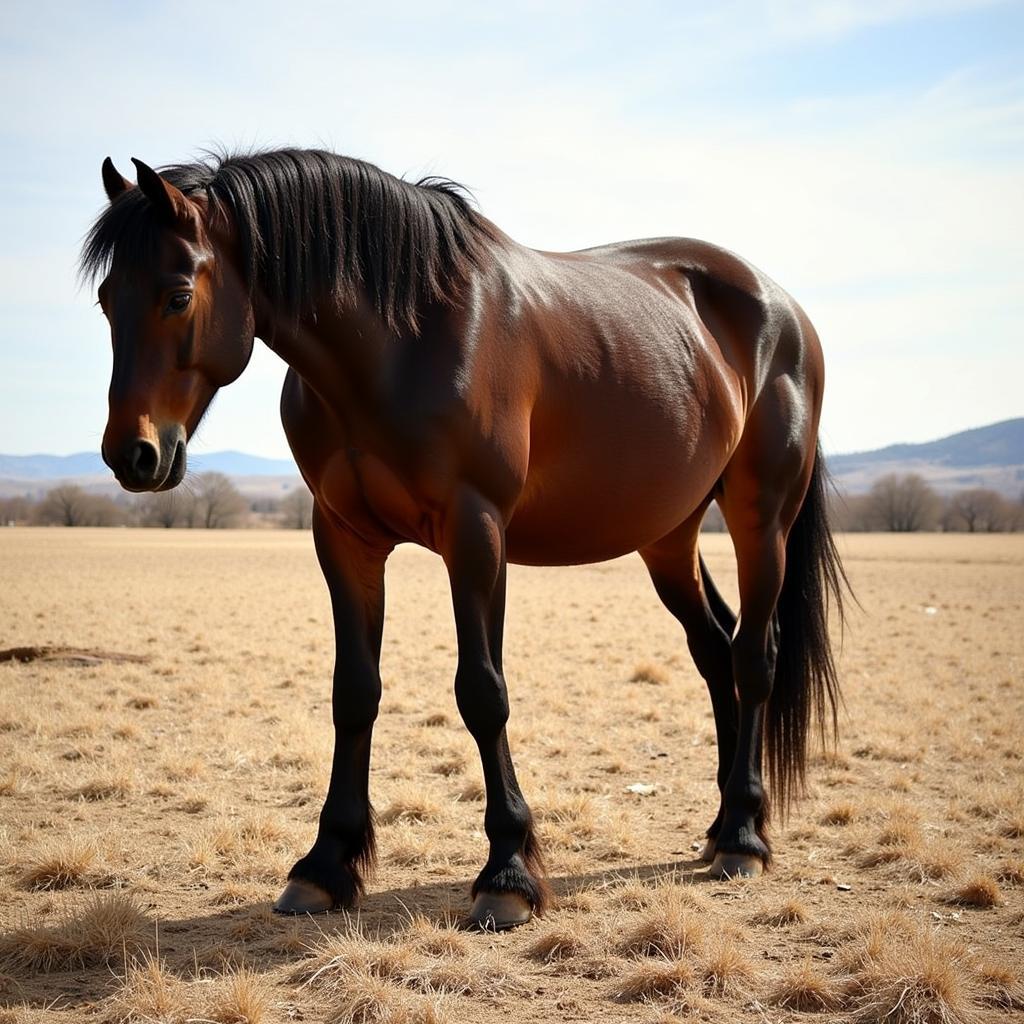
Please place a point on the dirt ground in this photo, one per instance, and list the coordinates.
(149, 810)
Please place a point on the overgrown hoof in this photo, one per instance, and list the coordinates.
(301, 897)
(499, 911)
(708, 853)
(736, 865)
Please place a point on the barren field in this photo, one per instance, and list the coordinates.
(150, 808)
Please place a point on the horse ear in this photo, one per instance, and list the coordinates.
(113, 183)
(170, 202)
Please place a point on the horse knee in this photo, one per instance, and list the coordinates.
(482, 699)
(356, 701)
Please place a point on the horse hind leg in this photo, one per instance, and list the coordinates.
(763, 499)
(685, 587)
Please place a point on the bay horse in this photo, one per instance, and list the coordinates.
(452, 388)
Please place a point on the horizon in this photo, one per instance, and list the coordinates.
(200, 454)
(868, 157)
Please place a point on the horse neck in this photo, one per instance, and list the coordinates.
(333, 349)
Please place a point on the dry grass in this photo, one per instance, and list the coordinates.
(1001, 986)
(909, 975)
(99, 931)
(805, 989)
(410, 803)
(840, 814)
(668, 928)
(60, 864)
(656, 979)
(105, 787)
(559, 942)
(150, 992)
(981, 892)
(652, 674)
(241, 996)
(792, 911)
(726, 970)
(197, 800)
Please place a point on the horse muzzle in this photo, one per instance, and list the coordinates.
(142, 465)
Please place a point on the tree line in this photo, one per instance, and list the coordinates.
(897, 503)
(206, 501)
(907, 503)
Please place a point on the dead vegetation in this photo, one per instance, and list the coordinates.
(100, 930)
(150, 810)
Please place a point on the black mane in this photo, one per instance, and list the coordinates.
(312, 224)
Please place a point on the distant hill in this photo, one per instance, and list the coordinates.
(34, 474)
(991, 456)
(65, 467)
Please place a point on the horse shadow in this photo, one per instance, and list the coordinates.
(252, 934)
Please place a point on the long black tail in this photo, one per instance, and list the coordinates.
(806, 687)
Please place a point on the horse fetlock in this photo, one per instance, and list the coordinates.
(302, 897)
(743, 837)
(339, 883)
(736, 865)
(499, 911)
(512, 876)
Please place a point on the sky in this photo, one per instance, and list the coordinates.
(867, 154)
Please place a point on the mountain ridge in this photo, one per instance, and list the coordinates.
(987, 456)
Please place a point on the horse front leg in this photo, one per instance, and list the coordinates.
(510, 887)
(330, 876)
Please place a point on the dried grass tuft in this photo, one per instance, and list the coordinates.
(725, 970)
(108, 787)
(1011, 872)
(804, 989)
(647, 672)
(839, 814)
(241, 996)
(792, 911)
(101, 931)
(656, 979)
(981, 892)
(1001, 986)
(410, 803)
(59, 865)
(558, 942)
(149, 992)
(436, 939)
(909, 975)
(668, 928)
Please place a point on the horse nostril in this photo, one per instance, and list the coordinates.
(145, 458)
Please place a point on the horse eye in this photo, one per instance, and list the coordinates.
(178, 302)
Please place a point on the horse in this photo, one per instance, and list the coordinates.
(452, 388)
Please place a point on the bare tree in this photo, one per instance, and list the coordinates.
(103, 511)
(220, 505)
(66, 505)
(15, 510)
(851, 513)
(69, 505)
(903, 504)
(297, 509)
(162, 508)
(978, 510)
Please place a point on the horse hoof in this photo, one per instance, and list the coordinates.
(498, 911)
(301, 897)
(708, 853)
(736, 865)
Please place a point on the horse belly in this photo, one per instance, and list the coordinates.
(613, 476)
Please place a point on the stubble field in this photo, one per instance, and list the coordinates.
(150, 809)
